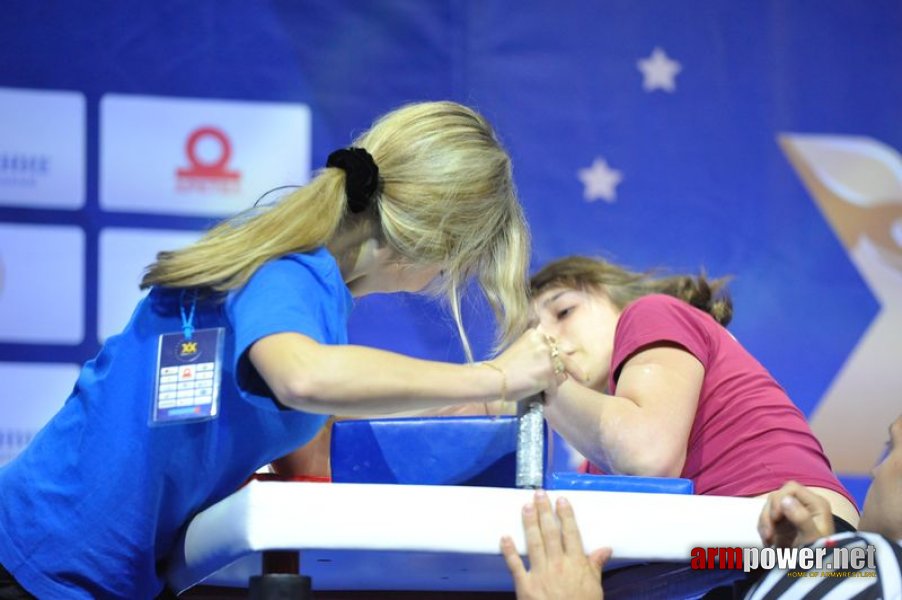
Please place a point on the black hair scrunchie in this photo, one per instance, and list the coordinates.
(361, 176)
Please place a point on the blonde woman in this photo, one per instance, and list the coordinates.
(667, 391)
(239, 352)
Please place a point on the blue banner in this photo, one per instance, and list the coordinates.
(758, 140)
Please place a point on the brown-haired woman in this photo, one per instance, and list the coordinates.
(665, 390)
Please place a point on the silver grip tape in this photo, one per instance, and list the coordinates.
(530, 444)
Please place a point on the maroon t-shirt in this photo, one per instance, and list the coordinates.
(748, 438)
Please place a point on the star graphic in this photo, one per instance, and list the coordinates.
(600, 181)
(857, 184)
(659, 71)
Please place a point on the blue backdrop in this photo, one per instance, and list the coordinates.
(646, 132)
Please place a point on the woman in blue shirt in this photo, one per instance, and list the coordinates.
(240, 351)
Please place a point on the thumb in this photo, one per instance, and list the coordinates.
(801, 517)
(599, 557)
(573, 369)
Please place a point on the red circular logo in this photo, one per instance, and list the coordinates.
(225, 150)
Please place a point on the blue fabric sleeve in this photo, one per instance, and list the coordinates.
(291, 294)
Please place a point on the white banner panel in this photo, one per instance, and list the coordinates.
(198, 157)
(124, 254)
(42, 148)
(42, 283)
(32, 393)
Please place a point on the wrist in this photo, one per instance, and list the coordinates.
(503, 391)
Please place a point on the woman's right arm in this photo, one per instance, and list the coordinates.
(353, 380)
(644, 429)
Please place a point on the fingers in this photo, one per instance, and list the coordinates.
(551, 532)
(765, 523)
(772, 517)
(558, 364)
(543, 535)
(810, 513)
(556, 560)
(778, 530)
(535, 545)
(513, 560)
(550, 365)
(793, 515)
(814, 503)
(799, 515)
(573, 542)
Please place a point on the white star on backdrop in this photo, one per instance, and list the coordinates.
(600, 181)
(659, 71)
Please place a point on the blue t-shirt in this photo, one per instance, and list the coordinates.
(93, 506)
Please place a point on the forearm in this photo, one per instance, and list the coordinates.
(357, 380)
(613, 432)
(495, 408)
(381, 383)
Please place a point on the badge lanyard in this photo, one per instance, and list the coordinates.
(188, 371)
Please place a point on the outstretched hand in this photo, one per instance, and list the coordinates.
(794, 516)
(559, 568)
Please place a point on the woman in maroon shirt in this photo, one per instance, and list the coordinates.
(661, 388)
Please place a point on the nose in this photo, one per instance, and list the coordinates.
(547, 327)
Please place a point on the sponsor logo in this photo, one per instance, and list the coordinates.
(42, 148)
(188, 349)
(23, 169)
(13, 441)
(198, 156)
(187, 352)
(213, 175)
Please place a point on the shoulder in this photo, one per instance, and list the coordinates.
(312, 270)
(292, 280)
(659, 318)
(302, 293)
(317, 262)
(661, 303)
(657, 311)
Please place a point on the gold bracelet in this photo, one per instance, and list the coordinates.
(503, 379)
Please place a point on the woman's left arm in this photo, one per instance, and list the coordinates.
(644, 428)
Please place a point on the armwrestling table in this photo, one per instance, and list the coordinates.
(391, 537)
(445, 538)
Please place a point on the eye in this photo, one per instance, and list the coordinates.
(564, 312)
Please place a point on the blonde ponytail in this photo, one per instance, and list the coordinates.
(227, 255)
(445, 197)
